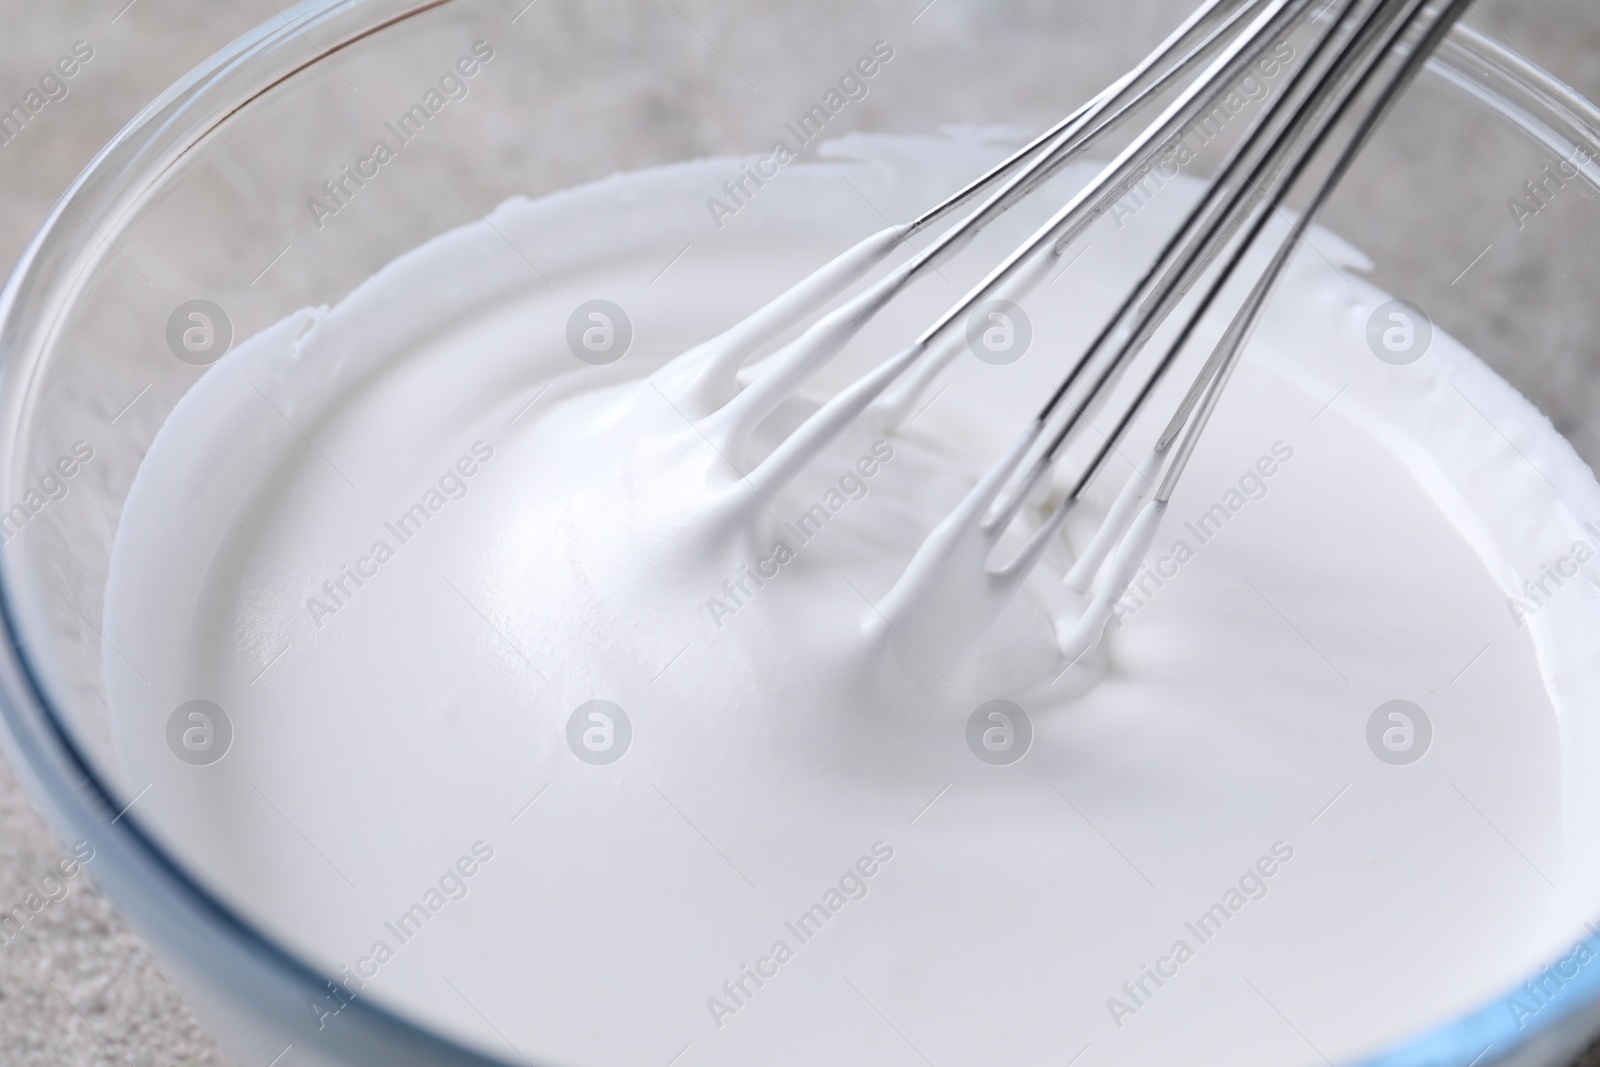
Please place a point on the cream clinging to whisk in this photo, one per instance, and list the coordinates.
(1350, 75)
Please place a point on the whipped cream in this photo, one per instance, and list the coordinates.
(495, 555)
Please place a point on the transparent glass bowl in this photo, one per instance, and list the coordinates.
(208, 196)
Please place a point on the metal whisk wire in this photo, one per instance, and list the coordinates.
(1257, 198)
(1363, 55)
(1356, 43)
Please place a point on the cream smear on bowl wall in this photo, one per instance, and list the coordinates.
(688, 794)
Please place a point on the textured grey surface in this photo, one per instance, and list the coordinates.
(77, 985)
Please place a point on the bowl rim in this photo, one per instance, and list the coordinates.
(169, 906)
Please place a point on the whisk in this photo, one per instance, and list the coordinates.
(1362, 55)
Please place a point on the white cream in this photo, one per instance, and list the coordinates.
(574, 550)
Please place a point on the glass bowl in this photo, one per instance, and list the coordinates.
(251, 189)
